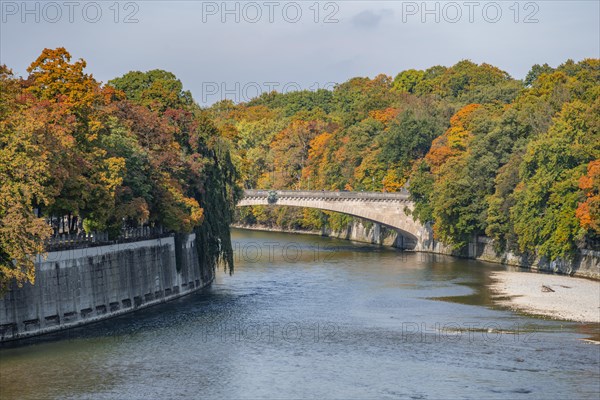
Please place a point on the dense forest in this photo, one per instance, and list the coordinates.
(135, 152)
(480, 152)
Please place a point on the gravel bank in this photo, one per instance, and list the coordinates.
(556, 296)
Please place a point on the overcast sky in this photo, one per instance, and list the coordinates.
(288, 45)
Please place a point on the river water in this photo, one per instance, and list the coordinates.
(311, 317)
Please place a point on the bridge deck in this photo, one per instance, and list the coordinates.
(320, 194)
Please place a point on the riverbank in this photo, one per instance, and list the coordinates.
(555, 296)
(586, 263)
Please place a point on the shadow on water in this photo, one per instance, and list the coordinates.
(480, 296)
(208, 300)
(160, 316)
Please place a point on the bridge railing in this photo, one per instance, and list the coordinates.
(403, 195)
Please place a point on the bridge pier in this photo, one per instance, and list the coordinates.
(377, 232)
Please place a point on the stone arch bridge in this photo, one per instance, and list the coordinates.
(389, 209)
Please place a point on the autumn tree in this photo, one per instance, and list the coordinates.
(24, 173)
(290, 149)
(76, 151)
(588, 211)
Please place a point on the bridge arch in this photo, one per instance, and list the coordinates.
(388, 209)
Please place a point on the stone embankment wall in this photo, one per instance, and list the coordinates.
(79, 286)
(357, 232)
(585, 264)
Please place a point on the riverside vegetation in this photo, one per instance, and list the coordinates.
(481, 153)
(137, 151)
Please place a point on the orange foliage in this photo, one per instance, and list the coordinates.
(462, 116)
(316, 152)
(454, 141)
(588, 212)
(386, 115)
(318, 145)
(54, 78)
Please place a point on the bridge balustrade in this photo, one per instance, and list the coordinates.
(328, 195)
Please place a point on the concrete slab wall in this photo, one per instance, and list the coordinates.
(75, 287)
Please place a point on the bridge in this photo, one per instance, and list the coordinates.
(389, 209)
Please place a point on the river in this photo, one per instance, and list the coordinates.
(312, 317)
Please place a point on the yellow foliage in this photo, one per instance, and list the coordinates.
(393, 180)
(112, 176)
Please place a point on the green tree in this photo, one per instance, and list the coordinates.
(535, 72)
(156, 89)
(407, 81)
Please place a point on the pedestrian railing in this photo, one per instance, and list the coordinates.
(81, 240)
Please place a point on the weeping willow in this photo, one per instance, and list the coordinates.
(218, 199)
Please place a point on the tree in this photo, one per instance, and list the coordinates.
(24, 171)
(290, 149)
(407, 81)
(450, 189)
(79, 151)
(588, 212)
(157, 89)
(54, 78)
(421, 190)
(535, 72)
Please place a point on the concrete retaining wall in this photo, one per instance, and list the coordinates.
(75, 287)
